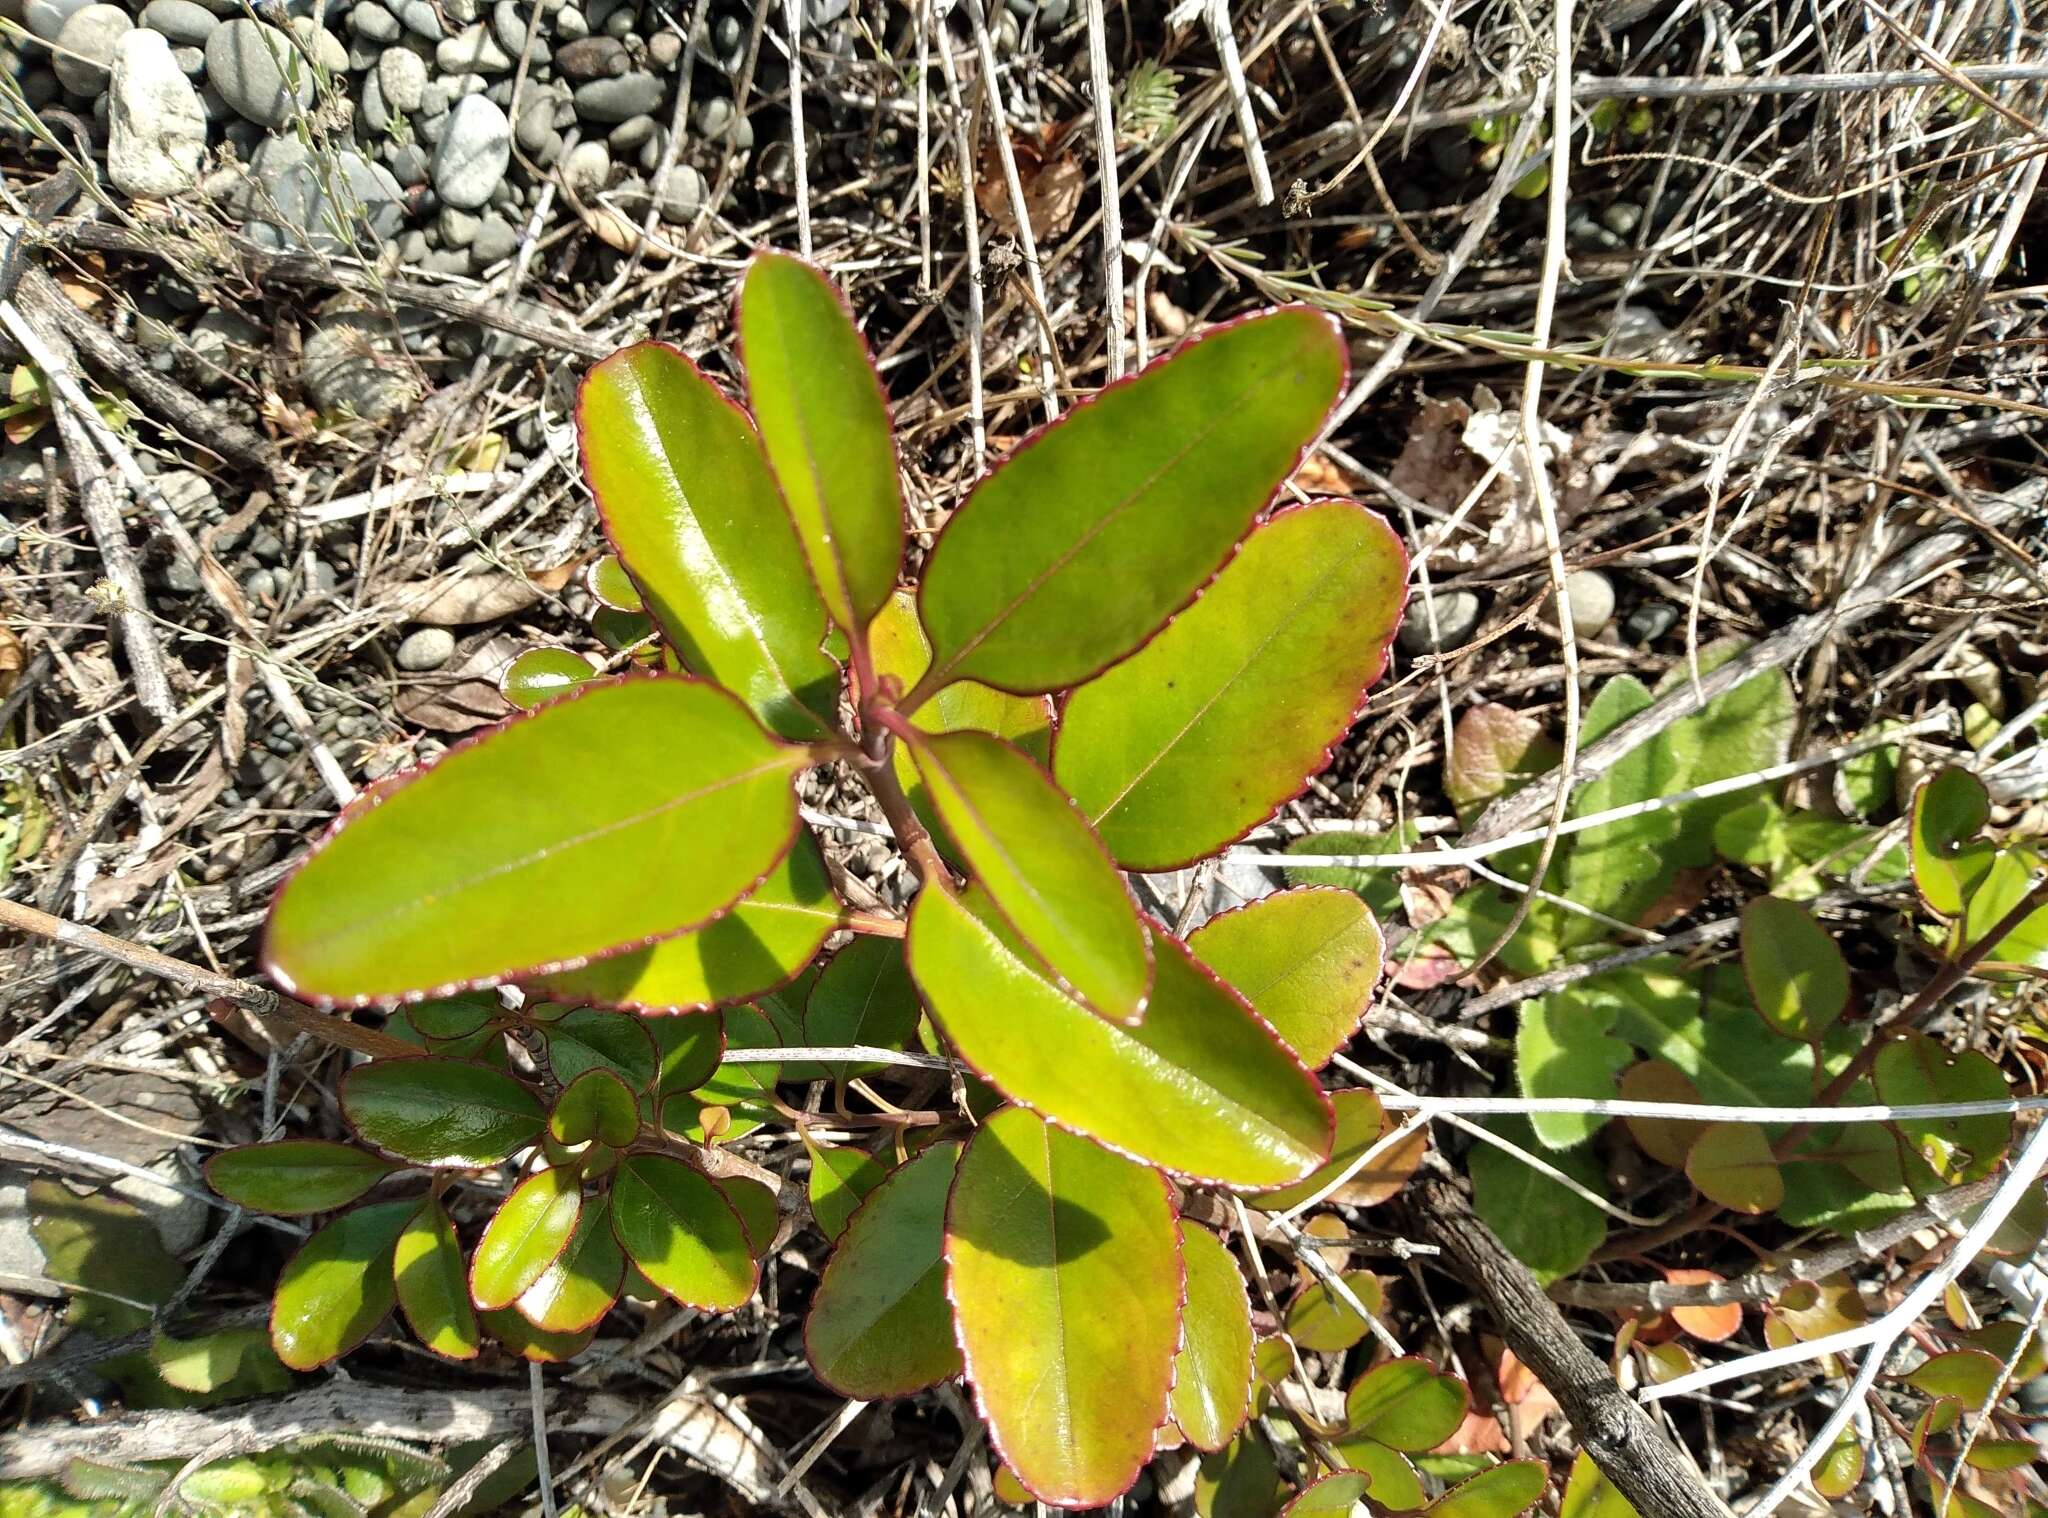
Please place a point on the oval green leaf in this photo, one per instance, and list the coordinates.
(676, 1225)
(1042, 868)
(1589, 1494)
(1840, 1470)
(530, 1228)
(535, 1344)
(1949, 811)
(589, 1039)
(1063, 1268)
(1202, 733)
(1796, 974)
(443, 1112)
(580, 1284)
(688, 501)
(1915, 1070)
(596, 1105)
(879, 1325)
(763, 942)
(538, 675)
(841, 1178)
(1333, 1496)
(1732, 1164)
(1088, 537)
(626, 811)
(757, 1207)
(1212, 1373)
(427, 1269)
(1499, 1491)
(864, 996)
(825, 424)
(294, 1177)
(338, 1287)
(1320, 1319)
(1407, 1405)
(1202, 1087)
(1307, 960)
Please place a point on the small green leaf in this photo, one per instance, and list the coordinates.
(1797, 975)
(2000, 891)
(676, 1225)
(1622, 868)
(1499, 1491)
(879, 1325)
(688, 500)
(1063, 1267)
(1563, 1048)
(596, 1105)
(629, 810)
(294, 1177)
(581, 1283)
(445, 1112)
(1319, 1319)
(338, 1287)
(758, 1208)
(1949, 811)
(1408, 1405)
(1225, 715)
(530, 1228)
(588, 1039)
(612, 586)
(1494, 750)
(1548, 1227)
(207, 1364)
(1212, 1373)
(1965, 1374)
(687, 1048)
(824, 422)
(530, 1343)
(1042, 868)
(1308, 960)
(1739, 732)
(744, 1092)
(1840, 1470)
(863, 996)
(427, 1269)
(1361, 1123)
(1202, 1087)
(1589, 1494)
(1732, 1164)
(1914, 1070)
(1666, 1140)
(538, 675)
(840, 1180)
(1239, 1481)
(1395, 1486)
(1334, 1496)
(1098, 529)
(763, 942)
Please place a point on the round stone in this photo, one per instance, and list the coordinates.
(348, 366)
(86, 46)
(458, 229)
(156, 127)
(472, 51)
(429, 648)
(586, 168)
(680, 194)
(473, 154)
(403, 75)
(496, 240)
(1589, 597)
(592, 58)
(46, 18)
(508, 25)
(619, 99)
(420, 18)
(631, 133)
(185, 22)
(570, 24)
(326, 48)
(371, 20)
(1457, 616)
(258, 71)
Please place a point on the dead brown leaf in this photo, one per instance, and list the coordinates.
(467, 596)
(1051, 178)
(464, 696)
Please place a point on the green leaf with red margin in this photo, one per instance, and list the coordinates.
(1407, 1405)
(863, 996)
(1732, 1164)
(1334, 1496)
(841, 1179)
(879, 1325)
(1240, 1480)
(432, 1282)
(687, 1048)
(582, 1282)
(1226, 714)
(1308, 961)
(535, 1344)
(530, 1228)
(1913, 1070)
(1949, 811)
(1840, 1470)
(1212, 1373)
(1093, 533)
(588, 1038)
(1202, 1087)
(1041, 866)
(1320, 1319)
(596, 1105)
(1965, 1374)
(1361, 1123)
(1395, 1486)
(1666, 1140)
(1063, 1268)
(1494, 749)
(451, 1113)
(538, 675)
(625, 812)
(903, 653)
(825, 425)
(1589, 1494)
(676, 1225)
(1499, 1491)
(763, 942)
(338, 1287)
(294, 1177)
(1797, 976)
(689, 502)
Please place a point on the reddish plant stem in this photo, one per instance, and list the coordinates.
(879, 770)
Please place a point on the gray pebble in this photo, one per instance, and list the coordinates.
(619, 99)
(664, 48)
(189, 493)
(258, 71)
(349, 365)
(458, 229)
(156, 128)
(592, 58)
(407, 162)
(1589, 597)
(1457, 615)
(326, 48)
(716, 119)
(40, 87)
(412, 247)
(472, 51)
(262, 585)
(496, 240)
(1622, 218)
(631, 133)
(363, 54)
(369, 19)
(681, 193)
(570, 24)
(191, 62)
(508, 24)
(444, 261)
(87, 43)
(420, 18)
(1649, 622)
(462, 12)
(536, 124)
(587, 168)
(403, 74)
(46, 18)
(619, 24)
(185, 22)
(373, 108)
(436, 99)
(472, 156)
(430, 127)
